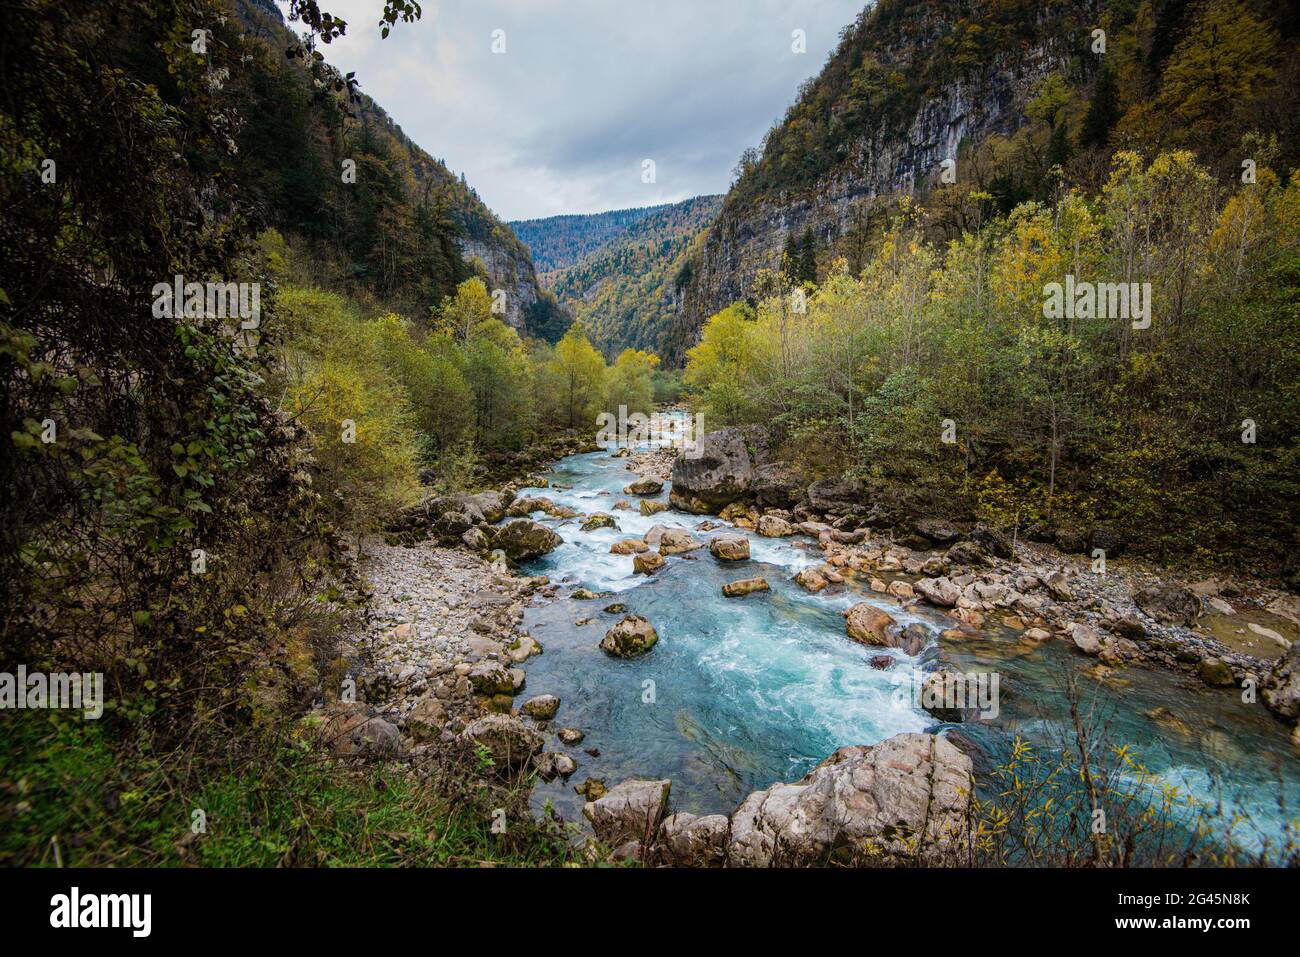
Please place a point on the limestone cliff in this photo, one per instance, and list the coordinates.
(911, 84)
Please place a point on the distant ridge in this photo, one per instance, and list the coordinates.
(557, 242)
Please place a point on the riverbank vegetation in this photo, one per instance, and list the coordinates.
(179, 490)
(393, 406)
(937, 374)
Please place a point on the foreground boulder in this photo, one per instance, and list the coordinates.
(729, 548)
(906, 798)
(631, 637)
(675, 541)
(510, 742)
(720, 473)
(938, 591)
(686, 840)
(542, 707)
(771, 526)
(525, 539)
(810, 579)
(629, 811)
(647, 563)
(350, 732)
(867, 624)
(554, 764)
(424, 722)
(1215, 672)
(645, 485)
(1059, 586)
(490, 678)
(1169, 604)
(745, 586)
(965, 553)
(993, 541)
(1281, 687)
(492, 504)
(599, 520)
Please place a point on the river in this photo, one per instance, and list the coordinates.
(743, 692)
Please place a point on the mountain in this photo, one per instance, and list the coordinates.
(557, 242)
(625, 290)
(407, 229)
(1018, 93)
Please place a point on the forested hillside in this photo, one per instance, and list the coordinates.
(558, 242)
(625, 291)
(184, 482)
(375, 215)
(902, 329)
(1023, 97)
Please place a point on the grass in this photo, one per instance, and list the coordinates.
(72, 794)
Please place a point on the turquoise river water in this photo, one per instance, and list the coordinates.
(743, 692)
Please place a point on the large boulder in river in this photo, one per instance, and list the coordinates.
(1281, 688)
(1169, 604)
(904, 799)
(647, 563)
(524, 539)
(629, 811)
(745, 586)
(772, 526)
(542, 707)
(867, 624)
(714, 475)
(646, 485)
(676, 541)
(629, 638)
(728, 548)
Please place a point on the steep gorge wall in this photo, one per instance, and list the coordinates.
(880, 158)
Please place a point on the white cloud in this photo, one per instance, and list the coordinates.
(587, 89)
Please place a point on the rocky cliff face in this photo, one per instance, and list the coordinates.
(409, 177)
(528, 308)
(898, 149)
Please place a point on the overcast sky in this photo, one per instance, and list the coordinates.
(588, 89)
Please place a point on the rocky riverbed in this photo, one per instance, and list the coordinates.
(443, 653)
